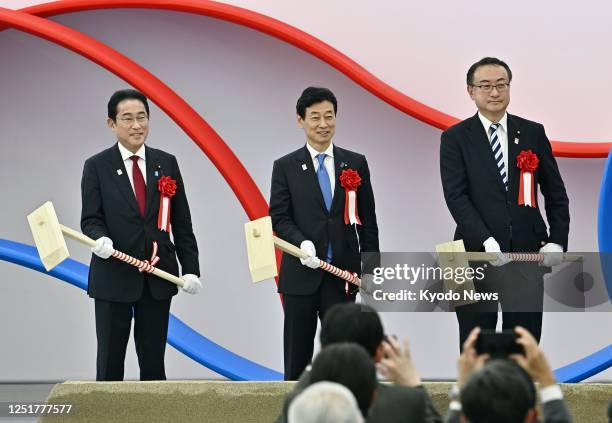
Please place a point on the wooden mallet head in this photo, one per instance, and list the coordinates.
(260, 249)
(452, 255)
(48, 236)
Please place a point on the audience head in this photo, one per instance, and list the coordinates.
(349, 365)
(500, 391)
(325, 402)
(356, 323)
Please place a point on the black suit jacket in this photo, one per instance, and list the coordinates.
(298, 213)
(477, 199)
(393, 403)
(109, 208)
(555, 411)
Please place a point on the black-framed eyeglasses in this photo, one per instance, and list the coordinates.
(487, 88)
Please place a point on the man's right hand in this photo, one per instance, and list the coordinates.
(104, 247)
(312, 260)
(492, 246)
(469, 360)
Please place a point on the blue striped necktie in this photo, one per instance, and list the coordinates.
(325, 185)
(498, 153)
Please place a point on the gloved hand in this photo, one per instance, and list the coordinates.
(311, 261)
(491, 246)
(553, 254)
(104, 247)
(192, 284)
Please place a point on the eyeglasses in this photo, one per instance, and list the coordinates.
(129, 121)
(487, 88)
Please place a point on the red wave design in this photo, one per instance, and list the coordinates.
(184, 115)
(311, 45)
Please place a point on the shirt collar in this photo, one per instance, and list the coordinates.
(503, 122)
(127, 154)
(314, 153)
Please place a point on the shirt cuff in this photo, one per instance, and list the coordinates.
(550, 393)
(454, 405)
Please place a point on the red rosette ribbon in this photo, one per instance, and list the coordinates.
(350, 181)
(527, 161)
(167, 188)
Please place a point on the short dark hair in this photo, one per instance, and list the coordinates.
(347, 364)
(351, 322)
(119, 96)
(500, 392)
(487, 61)
(314, 95)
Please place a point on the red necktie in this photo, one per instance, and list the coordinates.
(139, 185)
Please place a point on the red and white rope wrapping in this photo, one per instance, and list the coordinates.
(147, 266)
(537, 257)
(342, 274)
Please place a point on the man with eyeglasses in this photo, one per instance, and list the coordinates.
(132, 197)
(491, 165)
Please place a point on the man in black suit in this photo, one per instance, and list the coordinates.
(120, 208)
(404, 400)
(307, 206)
(489, 199)
(502, 389)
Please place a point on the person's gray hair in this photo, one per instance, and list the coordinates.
(324, 402)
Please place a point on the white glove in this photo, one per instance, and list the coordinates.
(104, 247)
(311, 261)
(492, 246)
(553, 254)
(192, 284)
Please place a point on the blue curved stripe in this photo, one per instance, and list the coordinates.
(586, 367)
(605, 223)
(180, 335)
(223, 361)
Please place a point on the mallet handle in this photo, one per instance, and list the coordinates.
(517, 257)
(296, 252)
(84, 239)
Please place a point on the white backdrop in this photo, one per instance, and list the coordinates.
(245, 85)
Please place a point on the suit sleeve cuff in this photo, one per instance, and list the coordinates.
(551, 393)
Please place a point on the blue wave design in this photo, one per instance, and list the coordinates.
(180, 335)
(224, 361)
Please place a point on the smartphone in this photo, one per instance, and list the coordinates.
(498, 344)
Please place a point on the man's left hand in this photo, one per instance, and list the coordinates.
(192, 284)
(553, 254)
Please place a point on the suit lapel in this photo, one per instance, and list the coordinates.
(311, 182)
(339, 164)
(480, 140)
(513, 150)
(122, 180)
(152, 165)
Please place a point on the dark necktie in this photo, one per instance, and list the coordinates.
(325, 185)
(498, 153)
(139, 185)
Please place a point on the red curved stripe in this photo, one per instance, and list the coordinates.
(311, 45)
(184, 115)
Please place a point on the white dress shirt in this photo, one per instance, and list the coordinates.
(328, 163)
(128, 163)
(502, 134)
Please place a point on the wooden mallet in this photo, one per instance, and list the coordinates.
(453, 255)
(456, 250)
(260, 241)
(49, 234)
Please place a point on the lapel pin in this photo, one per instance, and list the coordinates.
(343, 165)
(156, 173)
(516, 140)
(119, 172)
(304, 167)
